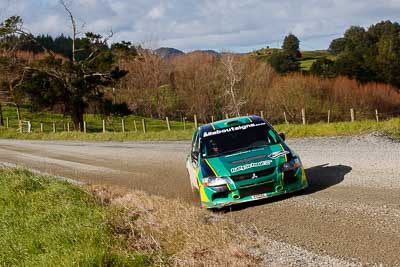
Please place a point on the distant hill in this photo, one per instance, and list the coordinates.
(167, 52)
(212, 52)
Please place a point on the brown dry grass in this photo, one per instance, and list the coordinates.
(178, 234)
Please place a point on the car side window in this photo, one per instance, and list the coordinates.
(195, 146)
(193, 141)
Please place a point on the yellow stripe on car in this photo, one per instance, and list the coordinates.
(203, 195)
(304, 177)
(209, 165)
(283, 150)
(283, 174)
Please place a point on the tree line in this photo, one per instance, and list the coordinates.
(367, 55)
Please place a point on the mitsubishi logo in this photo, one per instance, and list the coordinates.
(254, 176)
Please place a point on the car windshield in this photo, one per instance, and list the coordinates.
(233, 139)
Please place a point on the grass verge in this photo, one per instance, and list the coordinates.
(390, 127)
(46, 222)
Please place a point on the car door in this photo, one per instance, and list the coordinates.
(192, 162)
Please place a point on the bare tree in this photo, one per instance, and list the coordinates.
(73, 27)
(233, 68)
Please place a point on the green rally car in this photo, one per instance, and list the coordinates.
(242, 159)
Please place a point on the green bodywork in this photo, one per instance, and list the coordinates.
(251, 174)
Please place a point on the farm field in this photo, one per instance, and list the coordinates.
(306, 60)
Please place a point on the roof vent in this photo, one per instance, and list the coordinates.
(233, 123)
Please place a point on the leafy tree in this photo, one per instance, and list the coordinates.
(291, 45)
(287, 60)
(337, 45)
(369, 55)
(283, 62)
(323, 67)
(11, 66)
(388, 59)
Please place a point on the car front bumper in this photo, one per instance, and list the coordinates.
(291, 183)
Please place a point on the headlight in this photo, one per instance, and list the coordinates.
(214, 181)
(291, 165)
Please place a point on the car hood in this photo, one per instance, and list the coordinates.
(243, 162)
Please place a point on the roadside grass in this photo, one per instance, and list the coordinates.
(390, 127)
(191, 236)
(47, 222)
(108, 136)
(94, 123)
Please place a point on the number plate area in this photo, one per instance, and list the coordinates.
(259, 196)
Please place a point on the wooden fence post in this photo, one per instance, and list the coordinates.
(84, 126)
(79, 126)
(303, 116)
(376, 115)
(67, 126)
(184, 123)
(64, 126)
(226, 116)
(212, 119)
(41, 127)
(135, 125)
(168, 125)
(144, 125)
(329, 116)
(352, 115)
(123, 125)
(7, 122)
(262, 114)
(29, 127)
(104, 126)
(54, 127)
(284, 116)
(195, 121)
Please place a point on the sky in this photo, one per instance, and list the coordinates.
(221, 25)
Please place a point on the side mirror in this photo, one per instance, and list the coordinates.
(282, 135)
(195, 155)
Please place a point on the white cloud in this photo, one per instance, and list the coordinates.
(156, 12)
(208, 24)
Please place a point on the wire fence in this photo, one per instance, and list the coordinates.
(98, 124)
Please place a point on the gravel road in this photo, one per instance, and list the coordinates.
(349, 216)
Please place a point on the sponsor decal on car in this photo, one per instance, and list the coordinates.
(251, 165)
(278, 154)
(233, 129)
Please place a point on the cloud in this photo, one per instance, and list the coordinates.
(237, 25)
